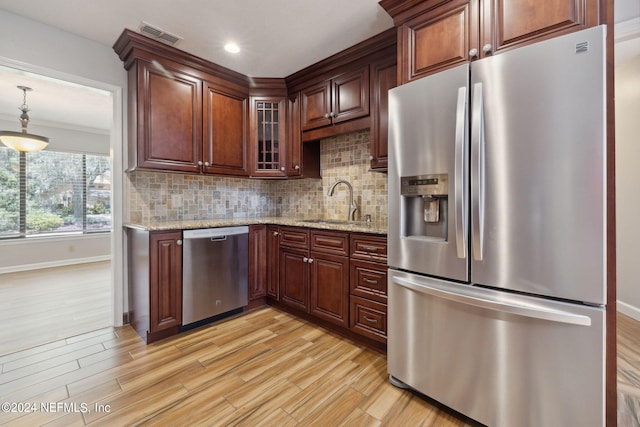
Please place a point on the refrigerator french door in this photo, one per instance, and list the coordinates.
(497, 234)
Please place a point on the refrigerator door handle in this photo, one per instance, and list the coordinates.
(477, 171)
(459, 182)
(486, 302)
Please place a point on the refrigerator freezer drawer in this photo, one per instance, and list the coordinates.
(499, 358)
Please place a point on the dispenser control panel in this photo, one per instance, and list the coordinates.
(425, 185)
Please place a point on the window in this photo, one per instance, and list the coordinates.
(51, 192)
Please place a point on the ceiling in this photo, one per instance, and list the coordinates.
(276, 37)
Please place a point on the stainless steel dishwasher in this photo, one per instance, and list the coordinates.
(215, 273)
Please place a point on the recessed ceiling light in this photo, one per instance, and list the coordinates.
(232, 47)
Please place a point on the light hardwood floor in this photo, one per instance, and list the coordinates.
(263, 368)
(45, 305)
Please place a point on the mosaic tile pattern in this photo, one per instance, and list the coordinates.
(158, 196)
(347, 157)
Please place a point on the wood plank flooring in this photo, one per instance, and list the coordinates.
(263, 368)
(48, 305)
(628, 371)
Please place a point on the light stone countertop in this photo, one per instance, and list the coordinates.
(353, 226)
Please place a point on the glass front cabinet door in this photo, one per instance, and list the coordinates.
(268, 130)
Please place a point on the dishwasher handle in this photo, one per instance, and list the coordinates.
(220, 233)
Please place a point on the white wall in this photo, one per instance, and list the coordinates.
(28, 254)
(42, 49)
(628, 186)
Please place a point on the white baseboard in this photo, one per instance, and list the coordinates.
(629, 310)
(62, 263)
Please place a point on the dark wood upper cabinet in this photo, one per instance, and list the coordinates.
(438, 39)
(316, 105)
(185, 114)
(437, 34)
(383, 77)
(345, 97)
(515, 22)
(225, 124)
(268, 136)
(168, 116)
(350, 95)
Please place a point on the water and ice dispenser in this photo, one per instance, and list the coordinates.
(425, 200)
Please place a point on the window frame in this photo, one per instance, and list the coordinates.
(22, 208)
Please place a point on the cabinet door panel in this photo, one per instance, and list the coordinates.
(330, 288)
(268, 136)
(521, 21)
(225, 127)
(294, 137)
(165, 281)
(316, 105)
(384, 76)
(351, 95)
(294, 278)
(170, 119)
(273, 264)
(257, 261)
(439, 39)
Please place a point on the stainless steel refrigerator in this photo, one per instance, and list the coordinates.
(497, 229)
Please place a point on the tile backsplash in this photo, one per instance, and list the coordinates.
(157, 196)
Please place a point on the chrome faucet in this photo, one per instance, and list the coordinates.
(352, 205)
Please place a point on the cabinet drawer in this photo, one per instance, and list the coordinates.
(330, 242)
(368, 318)
(369, 248)
(294, 237)
(369, 280)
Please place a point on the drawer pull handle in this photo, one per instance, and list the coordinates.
(370, 320)
(370, 248)
(373, 282)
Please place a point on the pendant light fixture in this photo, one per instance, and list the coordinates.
(23, 141)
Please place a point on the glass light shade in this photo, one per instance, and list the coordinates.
(22, 141)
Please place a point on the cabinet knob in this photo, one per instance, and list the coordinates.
(296, 167)
(370, 157)
(473, 52)
(305, 259)
(206, 163)
(310, 260)
(199, 162)
(179, 243)
(332, 114)
(275, 233)
(326, 116)
(283, 169)
(487, 48)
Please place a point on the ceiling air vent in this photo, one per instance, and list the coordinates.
(158, 34)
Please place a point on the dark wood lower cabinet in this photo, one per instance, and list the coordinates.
(334, 278)
(155, 283)
(257, 261)
(330, 287)
(273, 265)
(294, 278)
(369, 318)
